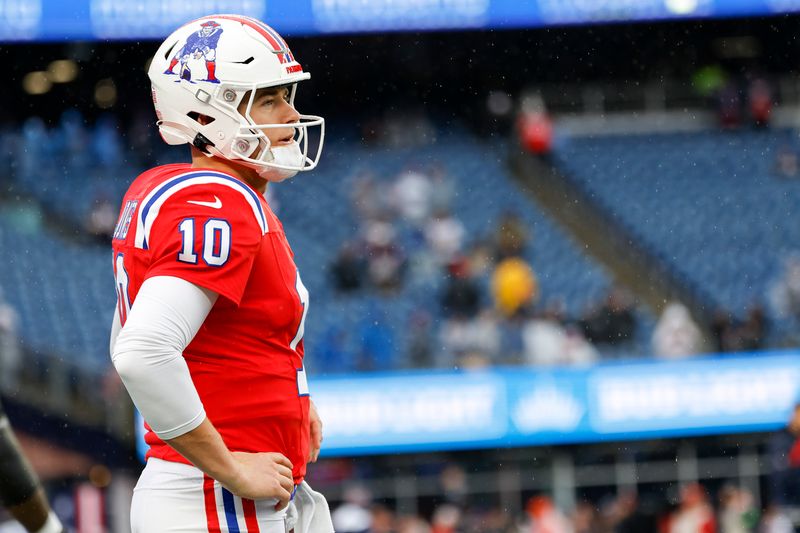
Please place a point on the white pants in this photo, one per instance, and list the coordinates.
(177, 498)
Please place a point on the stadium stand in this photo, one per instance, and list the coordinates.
(65, 304)
(63, 301)
(710, 206)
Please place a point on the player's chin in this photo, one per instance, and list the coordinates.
(277, 175)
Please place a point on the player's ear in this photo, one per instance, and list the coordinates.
(203, 120)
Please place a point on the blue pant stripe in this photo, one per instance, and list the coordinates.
(230, 511)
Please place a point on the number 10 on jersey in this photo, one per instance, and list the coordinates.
(216, 247)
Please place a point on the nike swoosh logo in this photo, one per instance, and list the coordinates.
(216, 204)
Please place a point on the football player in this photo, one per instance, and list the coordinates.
(208, 330)
(20, 490)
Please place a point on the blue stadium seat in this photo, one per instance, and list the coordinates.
(708, 205)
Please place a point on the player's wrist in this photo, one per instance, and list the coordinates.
(232, 476)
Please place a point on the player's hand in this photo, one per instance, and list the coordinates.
(315, 429)
(262, 476)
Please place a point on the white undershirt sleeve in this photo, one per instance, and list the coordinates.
(115, 327)
(148, 353)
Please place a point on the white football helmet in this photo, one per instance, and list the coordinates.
(205, 68)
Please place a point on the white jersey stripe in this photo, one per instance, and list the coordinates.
(223, 520)
(237, 502)
(151, 205)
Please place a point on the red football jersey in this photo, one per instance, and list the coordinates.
(215, 231)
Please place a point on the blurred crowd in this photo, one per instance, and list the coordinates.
(489, 309)
(54, 162)
(691, 510)
(713, 506)
(483, 304)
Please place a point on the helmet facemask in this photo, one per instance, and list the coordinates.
(252, 147)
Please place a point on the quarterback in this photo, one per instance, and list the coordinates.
(208, 330)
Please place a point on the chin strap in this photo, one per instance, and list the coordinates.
(202, 143)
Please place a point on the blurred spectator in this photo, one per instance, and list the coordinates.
(10, 351)
(752, 332)
(480, 259)
(411, 196)
(353, 516)
(548, 342)
(784, 456)
(535, 127)
(723, 331)
(694, 514)
(759, 100)
(787, 164)
(730, 335)
(446, 519)
(442, 189)
(453, 484)
(461, 296)
(368, 197)
(511, 236)
(382, 519)
(420, 341)
(495, 520)
(412, 524)
(676, 335)
(498, 114)
(514, 286)
(775, 521)
(455, 340)
(543, 339)
(729, 106)
(444, 234)
(612, 323)
(544, 517)
(708, 80)
(471, 342)
(348, 269)
(512, 342)
(736, 514)
(486, 334)
(630, 517)
(784, 293)
(385, 260)
(102, 219)
(584, 518)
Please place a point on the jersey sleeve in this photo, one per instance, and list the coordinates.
(208, 235)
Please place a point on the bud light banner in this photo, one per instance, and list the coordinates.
(521, 407)
(53, 20)
(438, 411)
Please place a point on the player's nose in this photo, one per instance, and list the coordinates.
(290, 114)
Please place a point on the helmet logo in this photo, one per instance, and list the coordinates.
(199, 45)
